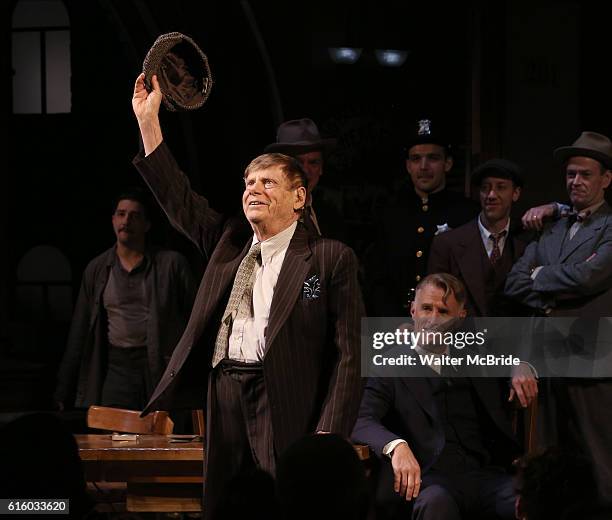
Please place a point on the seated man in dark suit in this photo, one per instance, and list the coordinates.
(442, 441)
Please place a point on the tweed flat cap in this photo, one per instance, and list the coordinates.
(182, 71)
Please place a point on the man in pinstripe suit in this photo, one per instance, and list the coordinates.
(284, 345)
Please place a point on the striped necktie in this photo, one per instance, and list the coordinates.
(495, 252)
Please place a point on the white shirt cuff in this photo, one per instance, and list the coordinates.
(390, 446)
(536, 271)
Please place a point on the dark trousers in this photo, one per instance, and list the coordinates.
(585, 415)
(240, 430)
(485, 493)
(128, 382)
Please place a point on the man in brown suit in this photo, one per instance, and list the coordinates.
(278, 310)
(482, 252)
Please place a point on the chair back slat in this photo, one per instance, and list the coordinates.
(129, 421)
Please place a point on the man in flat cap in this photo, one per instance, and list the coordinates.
(300, 139)
(421, 209)
(482, 252)
(568, 272)
(276, 319)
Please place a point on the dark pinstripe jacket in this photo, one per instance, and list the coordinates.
(312, 358)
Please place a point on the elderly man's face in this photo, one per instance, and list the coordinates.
(496, 198)
(312, 164)
(427, 165)
(429, 309)
(586, 181)
(269, 201)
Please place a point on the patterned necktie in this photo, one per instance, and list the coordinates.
(576, 220)
(495, 252)
(242, 289)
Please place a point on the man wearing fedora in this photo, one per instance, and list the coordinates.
(568, 272)
(419, 210)
(276, 320)
(300, 139)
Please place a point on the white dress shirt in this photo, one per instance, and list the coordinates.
(247, 341)
(488, 243)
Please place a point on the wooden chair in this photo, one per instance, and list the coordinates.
(524, 423)
(129, 421)
(197, 417)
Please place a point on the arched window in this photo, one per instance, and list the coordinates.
(41, 57)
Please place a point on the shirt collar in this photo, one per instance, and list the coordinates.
(486, 233)
(591, 209)
(275, 244)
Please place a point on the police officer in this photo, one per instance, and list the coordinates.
(420, 210)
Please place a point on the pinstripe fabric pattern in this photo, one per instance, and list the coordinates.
(243, 439)
(311, 365)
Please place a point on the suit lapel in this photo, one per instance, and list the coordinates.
(584, 233)
(553, 240)
(296, 266)
(468, 258)
(218, 278)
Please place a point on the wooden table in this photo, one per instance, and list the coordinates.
(161, 475)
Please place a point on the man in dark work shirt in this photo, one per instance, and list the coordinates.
(442, 442)
(133, 305)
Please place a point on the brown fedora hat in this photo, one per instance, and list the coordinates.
(182, 71)
(299, 136)
(589, 144)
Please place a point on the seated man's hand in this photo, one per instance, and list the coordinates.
(407, 472)
(533, 218)
(525, 387)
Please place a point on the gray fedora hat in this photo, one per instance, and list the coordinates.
(589, 144)
(182, 71)
(299, 136)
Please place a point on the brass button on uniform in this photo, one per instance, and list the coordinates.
(420, 229)
(425, 207)
(419, 254)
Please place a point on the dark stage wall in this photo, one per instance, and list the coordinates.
(508, 78)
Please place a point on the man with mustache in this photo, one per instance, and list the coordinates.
(568, 272)
(420, 210)
(132, 308)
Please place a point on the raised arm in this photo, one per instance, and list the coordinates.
(187, 211)
(146, 108)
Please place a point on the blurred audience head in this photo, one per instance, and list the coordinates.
(321, 476)
(40, 459)
(554, 484)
